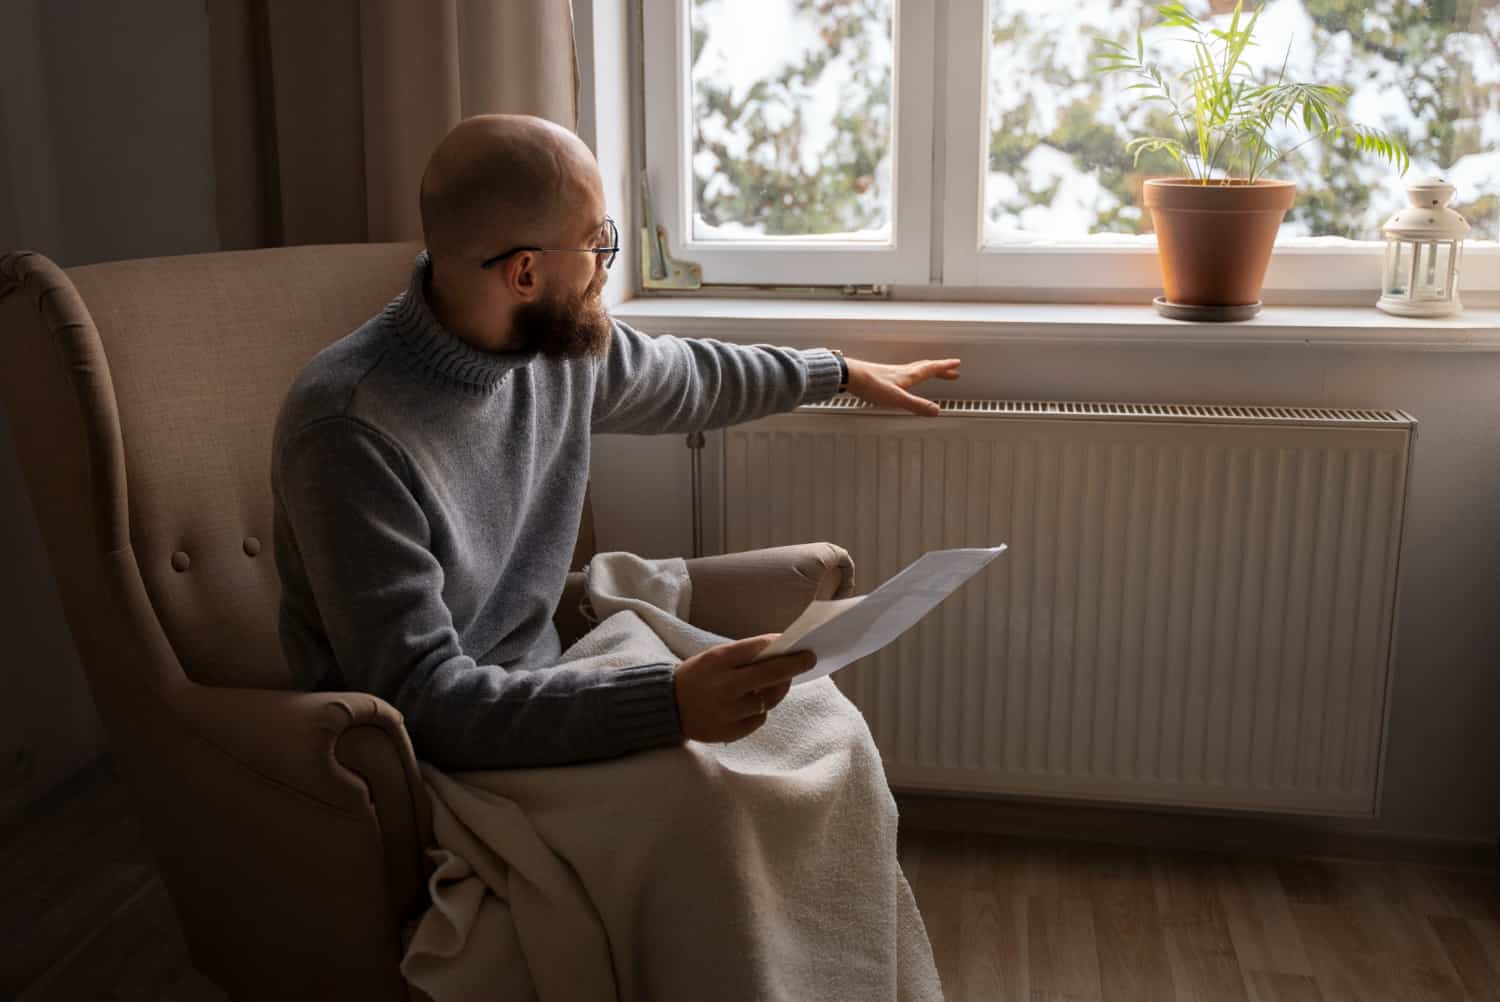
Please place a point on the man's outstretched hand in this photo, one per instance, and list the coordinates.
(887, 385)
(722, 697)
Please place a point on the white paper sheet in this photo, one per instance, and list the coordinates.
(844, 630)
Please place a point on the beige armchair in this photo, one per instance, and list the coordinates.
(289, 827)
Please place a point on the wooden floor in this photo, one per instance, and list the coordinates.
(1011, 919)
(83, 917)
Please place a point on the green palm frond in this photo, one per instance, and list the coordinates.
(1142, 145)
(1223, 112)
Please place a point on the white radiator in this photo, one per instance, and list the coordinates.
(1196, 608)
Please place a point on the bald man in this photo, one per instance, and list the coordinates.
(429, 471)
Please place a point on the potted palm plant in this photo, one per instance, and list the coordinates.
(1217, 221)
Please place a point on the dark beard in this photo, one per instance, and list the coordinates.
(564, 327)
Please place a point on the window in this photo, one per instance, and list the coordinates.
(792, 141)
(791, 121)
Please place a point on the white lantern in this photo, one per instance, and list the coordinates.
(1423, 245)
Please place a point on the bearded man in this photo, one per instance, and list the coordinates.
(429, 471)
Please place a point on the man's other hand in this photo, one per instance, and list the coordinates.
(887, 385)
(722, 697)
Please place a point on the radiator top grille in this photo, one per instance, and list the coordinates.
(846, 403)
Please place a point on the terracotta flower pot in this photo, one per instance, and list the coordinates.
(1214, 240)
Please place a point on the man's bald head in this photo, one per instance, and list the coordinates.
(501, 181)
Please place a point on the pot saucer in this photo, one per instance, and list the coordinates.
(1215, 314)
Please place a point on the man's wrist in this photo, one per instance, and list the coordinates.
(843, 369)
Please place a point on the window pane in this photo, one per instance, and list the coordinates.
(792, 119)
(1428, 73)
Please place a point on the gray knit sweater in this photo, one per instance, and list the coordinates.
(427, 500)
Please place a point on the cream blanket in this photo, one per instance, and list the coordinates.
(762, 869)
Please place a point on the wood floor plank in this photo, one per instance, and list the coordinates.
(193, 987)
(937, 873)
(1307, 882)
(1468, 956)
(1133, 963)
(993, 951)
(1370, 954)
(1199, 947)
(1062, 951)
(1487, 934)
(53, 930)
(942, 861)
(1426, 971)
(1380, 896)
(100, 826)
(1273, 986)
(1016, 868)
(1341, 952)
(1260, 920)
(135, 957)
(1452, 893)
(67, 864)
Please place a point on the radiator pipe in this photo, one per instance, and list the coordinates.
(695, 443)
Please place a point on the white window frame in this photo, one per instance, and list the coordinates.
(906, 258)
(1297, 265)
(1062, 271)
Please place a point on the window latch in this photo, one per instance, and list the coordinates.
(659, 269)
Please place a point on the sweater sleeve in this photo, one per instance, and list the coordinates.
(362, 541)
(656, 385)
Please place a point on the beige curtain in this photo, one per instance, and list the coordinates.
(326, 110)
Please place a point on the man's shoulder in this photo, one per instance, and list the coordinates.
(329, 386)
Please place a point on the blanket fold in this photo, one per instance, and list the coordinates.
(762, 869)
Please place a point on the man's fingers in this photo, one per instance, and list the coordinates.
(760, 700)
(743, 728)
(945, 368)
(776, 694)
(741, 652)
(751, 704)
(776, 671)
(919, 405)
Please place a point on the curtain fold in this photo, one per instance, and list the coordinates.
(330, 108)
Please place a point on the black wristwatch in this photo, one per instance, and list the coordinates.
(843, 370)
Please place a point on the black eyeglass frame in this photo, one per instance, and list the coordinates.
(612, 250)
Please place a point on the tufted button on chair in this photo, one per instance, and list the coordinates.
(290, 827)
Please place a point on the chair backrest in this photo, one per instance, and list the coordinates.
(183, 362)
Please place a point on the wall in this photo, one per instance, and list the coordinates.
(105, 153)
(128, 96)
(1444, 742)
(30, 214)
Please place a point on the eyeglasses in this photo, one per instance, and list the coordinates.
(611, 250)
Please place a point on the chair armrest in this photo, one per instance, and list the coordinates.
(286, 825)
(763, 591)
(348, 750)
(292, 737)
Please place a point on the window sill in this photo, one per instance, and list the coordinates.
(814, 322)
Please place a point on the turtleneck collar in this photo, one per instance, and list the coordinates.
(436, 351)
